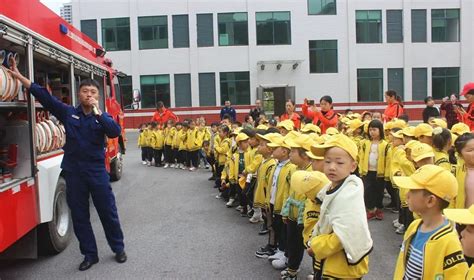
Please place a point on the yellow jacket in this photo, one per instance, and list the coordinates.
(293, 206)
(143, 139)
(283, 186)
(364, 157)
(182, 137)
(169, 133)
(442, 159)
(222, 148)
(262, 189)
(176, 138)
(460, 173)
(329, 248)
(255, 161)
(193, 141)
(157, 139)
(442, 255)
(311, 213)
(233, 171)
(470, 273)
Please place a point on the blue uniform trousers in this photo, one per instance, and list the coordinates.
(94, 183)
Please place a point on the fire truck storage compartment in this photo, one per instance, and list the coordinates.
(17, 133)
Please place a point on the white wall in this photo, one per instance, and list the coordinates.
(351, 56)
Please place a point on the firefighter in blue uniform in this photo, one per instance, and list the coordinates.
(84, 165)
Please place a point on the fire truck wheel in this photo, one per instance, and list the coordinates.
(54, 236)
(116, 166)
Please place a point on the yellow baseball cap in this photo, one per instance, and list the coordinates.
(345, 120)
(432, 178)
(338, 140)
(411, 144)
(421, 151)
(398, 123)
(332, 131)
(268, 137)
(355, 124)
(292, 134)
(241, 137)
(311, 127)
(262, 126)
(409, 131)
(461, 216)
(278, 142)
(309, 183)
(236, 131)
(460, 128)
(388, 125)
(423, 129)
(438, 123)
(398, 134)
(286, 124)
(303, 141)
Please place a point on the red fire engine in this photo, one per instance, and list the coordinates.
(33, 208)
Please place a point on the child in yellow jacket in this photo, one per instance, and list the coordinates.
(431, 248)
(182, 152)
(157, 144)
(250, 173)
(147, 141)
(142, 142)
(168, 134)
(193, 144)
(442, 142)
(465, 171)
(222, 147)
(175, 145)
(372, 168)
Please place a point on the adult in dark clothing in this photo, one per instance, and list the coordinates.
(449, 106)
(255, 112)
(84, 165)
(228, 110)
(430, 110)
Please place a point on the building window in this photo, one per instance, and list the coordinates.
(394, 26)
(369, 26)
(205, 30)
(273, 28)
(418, 26)
(321, 7)
(233, 29)
(445, 81)
(445, 26)
(235, 86)
(89, 27)
(207, 89)
(180, 31)
(127, 91)
(323, 56)
(370, 84)
(419, 77)
(116, 34)
(155, 88)
(182, 90)
(153, 32)
(396, 81)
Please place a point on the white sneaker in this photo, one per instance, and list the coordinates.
(285, 271)
(166, 165)
(192, 168)
(400, 229)
(238, 208)
(396, 224)
(230, 203)
(144, 162)
(278, 255)
(148, 164)
(255, 220)
(280, 264)
(310, 277)
(183, 167)
(172, 165)
(219, 195)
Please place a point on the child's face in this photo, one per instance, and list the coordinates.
(235, 126)
(430, 103)
(374, 133)
(338, 164)
(280, 153)
(417, 201)
(243, 145)
(318, 165)
(205, 147)
(467, 153)
(178, 127)
(169, 125)
(222, 134)
(426, 139)
(367, 117)
(263, 149)
(376, 116)
(283, 131)
(424, 162)
(214, 129)
(192, 125)
(467, 241)
(397, 141)
(295, 157)
(253, 142)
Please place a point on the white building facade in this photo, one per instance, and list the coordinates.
(66, 12)
(194, 53)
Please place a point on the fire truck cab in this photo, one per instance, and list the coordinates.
(33, 208)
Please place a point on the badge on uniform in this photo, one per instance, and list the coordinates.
(74, 116)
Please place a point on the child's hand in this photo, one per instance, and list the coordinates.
(310, 252)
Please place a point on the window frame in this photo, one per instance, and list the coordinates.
(445, 78)
(273, 21)
(366, 21)
(218, 30)
(315, 49)
(446, 19)
(116, 34)
(310, 14)
(381, 77)
(166, 102)
(235, 82)
(140, 47)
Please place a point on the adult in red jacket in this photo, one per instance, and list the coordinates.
(324, 117)
(395, 106)
(463, 116)
(163, 115)
(291, 114)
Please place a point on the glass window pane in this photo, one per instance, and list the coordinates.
(445, 81)
(369, 84)
(89, 27)
(235, 86)
(116, 34)
(180, 31)
(419, 83)
(205, 30)
(323, 56)
(207, 89)
(233, 29)
(268, 16)
(321, 7)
